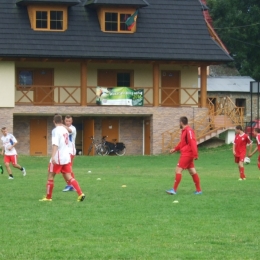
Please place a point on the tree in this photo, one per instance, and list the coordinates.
(237, 24)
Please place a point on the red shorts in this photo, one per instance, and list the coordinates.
(10, 159)
(240, 158)
(57, 168)
(186, 162)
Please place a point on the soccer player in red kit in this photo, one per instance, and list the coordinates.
(239, 150)
(257, 136)
(189, 152)
(60, 160)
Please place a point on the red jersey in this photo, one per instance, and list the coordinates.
(188, 144)
(241, 141)
(258, 141)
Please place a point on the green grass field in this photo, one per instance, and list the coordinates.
(139, 221)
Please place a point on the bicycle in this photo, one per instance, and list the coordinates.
(100, 148)
(117, 148)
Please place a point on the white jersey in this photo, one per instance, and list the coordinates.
(9, 140)
(72, 140)
(60, 138)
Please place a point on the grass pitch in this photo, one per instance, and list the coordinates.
(139, 221)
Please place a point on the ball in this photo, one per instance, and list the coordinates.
(247, 160)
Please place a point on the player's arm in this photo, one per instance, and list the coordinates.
(68, 129)
(176, 148)
(193, 144)
(2, 150)
(234, 149)
(251, 154)
(54, 151)
(250, 144)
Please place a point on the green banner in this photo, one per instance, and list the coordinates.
(119, 96)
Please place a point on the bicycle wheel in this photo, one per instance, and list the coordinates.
(90, 149)
(120, 152)
(103, 150)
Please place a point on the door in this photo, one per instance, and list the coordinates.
(147, 137)
(43, 80)
(170, 84)
(107, 78)
(38, 136)
(110, 128)
(88, 131)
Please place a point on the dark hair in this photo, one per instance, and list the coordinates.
(57, 119)
(239, 127)
(257, 130)
(68, 116)
(3, 128)
(184, 120)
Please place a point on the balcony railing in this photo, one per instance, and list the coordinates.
(71, 95)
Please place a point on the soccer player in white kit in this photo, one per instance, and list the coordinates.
(9, 152)
(72, 138)
(60, 160)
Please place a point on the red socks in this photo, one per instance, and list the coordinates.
(72, 182)
(196, 180)
(242, 172)
(49, 188)
(177, 181)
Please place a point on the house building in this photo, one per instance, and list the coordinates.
(55, 53)
(237, 88)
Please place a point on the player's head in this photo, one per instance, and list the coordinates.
(239, 129)
(183, 121)
(57, 119)
(68, 120)
(257, 130)
(4, 131)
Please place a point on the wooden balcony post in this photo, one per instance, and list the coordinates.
(156, 84)
(203, 86)
(83, 83)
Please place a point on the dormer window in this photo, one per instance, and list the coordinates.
(48, 18)
(115, 22)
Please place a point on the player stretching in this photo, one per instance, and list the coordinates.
(239, 150)
(60, 160)
(9, 152)
(72, 137)
(257, 136)
(189, 152)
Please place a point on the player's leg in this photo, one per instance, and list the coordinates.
(178, 176)
(68, 187)
(50, 182)
(73, 182)
(7, 160)
(195, 177)
(16, 165)
(241, 169)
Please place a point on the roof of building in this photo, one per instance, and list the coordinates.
(65, 2)
(137, 3)
(172, 30)
(228, 84)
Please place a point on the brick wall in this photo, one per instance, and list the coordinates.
(130, 118)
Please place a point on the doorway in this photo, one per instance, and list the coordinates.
(170, 88)
(147, 137)
(110, 128)
(38, 136)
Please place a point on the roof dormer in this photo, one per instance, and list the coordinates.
(117, 16)
(48, 15)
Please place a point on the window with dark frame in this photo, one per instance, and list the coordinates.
(25, 78)
(56, 20)
(116, 22)
(123, 79)
(41, 19)
(241, 102)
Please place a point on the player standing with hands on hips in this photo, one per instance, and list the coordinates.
(60, 160)
(189, 152)
(239, 150)
(9, 152)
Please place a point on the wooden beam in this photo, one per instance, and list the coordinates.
(156, 84)
(83, 80)
(203, 86)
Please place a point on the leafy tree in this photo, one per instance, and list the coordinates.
(238, 25)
